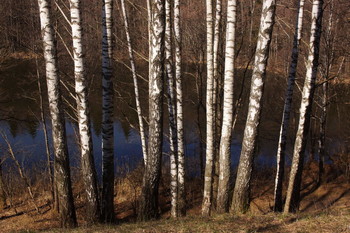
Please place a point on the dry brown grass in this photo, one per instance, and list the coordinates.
(325, 209)
(322, 222)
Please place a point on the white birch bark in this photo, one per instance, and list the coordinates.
(216, 43)
(171, 108)
(150, 38)
(226, 133)
(62, 171)
(83, 113)
(208, 174)
(149, 197)
(240, 200)
(107, 201)
(293, 192)
(287, 109)
(179, 111)
(136, 86)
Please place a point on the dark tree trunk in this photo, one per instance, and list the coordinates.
(107, 199)
(278, 205)
(293, 192)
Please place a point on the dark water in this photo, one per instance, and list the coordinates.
(20, 114)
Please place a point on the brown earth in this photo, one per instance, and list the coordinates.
(323, 209)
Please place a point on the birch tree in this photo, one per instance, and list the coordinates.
(171, 109)
(86, 150)
(216, 97)
(208, 173)
(222, 203)
(293, 192)
(107, 202)
(287, 109)
(136, 86)
(179, 111)
(61, 166)
(240, 200)
(149, 197)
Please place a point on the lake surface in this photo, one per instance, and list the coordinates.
(20, 114)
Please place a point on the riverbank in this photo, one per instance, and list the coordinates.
(323, 209)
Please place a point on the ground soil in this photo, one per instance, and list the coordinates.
(324, 208)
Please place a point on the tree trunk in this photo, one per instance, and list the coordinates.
(62, 171)
(286, 112)
(136, 86)
(216, 99)
(107, 202)
(171, 109)
(293, 192)
(240, 201)
(222, 204)
(149, 197)
(208, 174)
(179, 111)
(83, 113)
